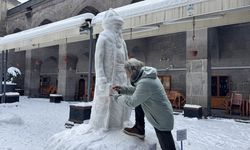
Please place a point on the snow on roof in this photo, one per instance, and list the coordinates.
(192, 106)
(144, 7)
(73, 22)
(55, 95)
(8, 83)
(83, 104)
(12, 93)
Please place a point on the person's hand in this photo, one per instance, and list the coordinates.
(117, 88)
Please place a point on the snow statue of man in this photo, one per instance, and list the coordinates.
(110, 56)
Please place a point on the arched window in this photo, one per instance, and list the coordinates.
(44, 22)
(89, 9)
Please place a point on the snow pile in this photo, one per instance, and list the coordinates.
(14, 71)
(82, 137)
(10, 119)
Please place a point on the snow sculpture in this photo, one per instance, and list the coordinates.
(110, 56)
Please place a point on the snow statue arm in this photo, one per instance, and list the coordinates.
(99, 61)
(125, 49)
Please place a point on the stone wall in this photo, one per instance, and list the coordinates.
(233, 51)
(3, 10)
(161, 52)
(56, 10)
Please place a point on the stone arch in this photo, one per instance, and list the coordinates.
(89, 9)
(39, 18)
(135, 1)
(16, 30)
(44, 22)
(14, 24)
(87, 6)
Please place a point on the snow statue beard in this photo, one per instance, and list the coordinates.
(110, 57)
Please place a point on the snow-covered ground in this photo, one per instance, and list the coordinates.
(28, 125)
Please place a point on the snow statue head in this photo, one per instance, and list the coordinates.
(13, 73)
(112, 21)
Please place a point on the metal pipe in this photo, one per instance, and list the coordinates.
(212, 68)
(2, 73)
(5, 76)
(90, 60)
(231, 68)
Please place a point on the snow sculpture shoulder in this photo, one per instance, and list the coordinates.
(110, 56)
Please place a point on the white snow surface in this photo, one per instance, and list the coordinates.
(83, 138)
(192, 106)
(29, 124)
(55, 95)
(83, 104)
(12, 93)
(9, 83)
(23, 1)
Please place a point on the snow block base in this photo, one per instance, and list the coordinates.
(78, 114)
(84, 138)
(192, 111)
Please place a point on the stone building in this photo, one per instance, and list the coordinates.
(4, 6)
(204, 70)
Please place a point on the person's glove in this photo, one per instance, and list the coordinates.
(118, 89)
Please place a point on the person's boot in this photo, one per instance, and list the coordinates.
(134, 131)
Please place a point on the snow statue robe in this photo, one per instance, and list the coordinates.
(110, 56)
